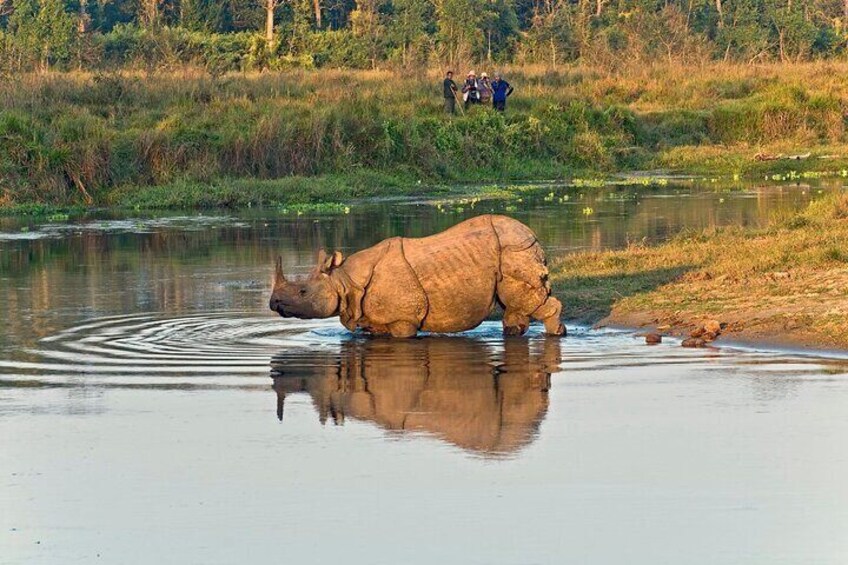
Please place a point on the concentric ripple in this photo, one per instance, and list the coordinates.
(240, 348)
(221, 344)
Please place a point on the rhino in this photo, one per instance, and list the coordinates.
(489, 401)
(443, 283)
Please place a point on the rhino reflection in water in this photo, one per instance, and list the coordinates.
(462, 390)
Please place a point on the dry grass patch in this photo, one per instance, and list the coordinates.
(787, 283)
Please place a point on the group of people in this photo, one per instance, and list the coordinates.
(476, 91)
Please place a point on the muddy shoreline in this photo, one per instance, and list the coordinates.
(767, 336)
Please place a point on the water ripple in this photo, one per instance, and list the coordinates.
(231, 346)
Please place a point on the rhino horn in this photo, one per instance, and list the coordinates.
(279, 277)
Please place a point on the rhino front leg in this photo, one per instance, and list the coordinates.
(403, 329)
(549, 313)
(515, 323)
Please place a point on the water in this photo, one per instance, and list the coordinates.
(152, 410)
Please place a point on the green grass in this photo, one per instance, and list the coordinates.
(190, 139)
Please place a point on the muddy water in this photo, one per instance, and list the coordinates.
(151, 410)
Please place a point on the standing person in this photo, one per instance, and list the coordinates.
(470, 92)
(485, 89)
(500, 91)
(450, 93)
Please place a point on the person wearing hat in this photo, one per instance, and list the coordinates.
(470, 92)
(500, 91)
(450, 93)
(484, 88)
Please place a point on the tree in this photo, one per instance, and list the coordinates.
(42, 32)
(366, 24)
(457, 25)
(500, 25)
(149, 12)
(270, 10)
(408, 27)
(201, 15)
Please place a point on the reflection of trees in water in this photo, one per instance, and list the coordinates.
(468, 392)
(178, 269)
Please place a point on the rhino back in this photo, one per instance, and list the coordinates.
(458, 270)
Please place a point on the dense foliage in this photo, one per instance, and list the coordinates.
(224, 35)
(80, 137)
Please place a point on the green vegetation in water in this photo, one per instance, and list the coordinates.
(295, 193)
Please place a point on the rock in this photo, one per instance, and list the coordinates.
(712, 326)
(653, 339)
(697, 332)
(709, 336)
(663, 328)
(693, 342)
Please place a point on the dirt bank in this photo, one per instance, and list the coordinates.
(786, 284)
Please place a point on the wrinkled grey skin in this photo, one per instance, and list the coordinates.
(446, 282)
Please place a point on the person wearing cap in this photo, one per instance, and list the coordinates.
(501, 89)
(470, 92)
(484, 88)
(450, 93)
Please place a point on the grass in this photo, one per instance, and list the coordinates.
(293, 192)
(787, 282)
(238, 139)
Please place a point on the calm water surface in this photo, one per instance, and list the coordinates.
(152, 410)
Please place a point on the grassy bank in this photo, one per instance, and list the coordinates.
(80, 138)
(786, 284)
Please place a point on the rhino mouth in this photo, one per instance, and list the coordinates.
(279, 307)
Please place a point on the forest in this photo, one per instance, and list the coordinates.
(240, 35)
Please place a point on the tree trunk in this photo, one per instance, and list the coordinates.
(599, 5)
(553, 53)
(720, 13)
(270, 8)
(844, 15)
(489, 45)
(82, 23)
(316, 4)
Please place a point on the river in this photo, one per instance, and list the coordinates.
(153, 410)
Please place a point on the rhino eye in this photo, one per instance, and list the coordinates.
(303, 292)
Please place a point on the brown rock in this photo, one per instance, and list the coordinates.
(653, 339)
(693, 342)
(712, 326)
(709, 336)
(697, 332)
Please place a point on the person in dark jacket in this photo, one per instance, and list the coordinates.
(450, 93)
(500, 91)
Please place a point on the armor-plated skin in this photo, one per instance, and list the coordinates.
(447, 282)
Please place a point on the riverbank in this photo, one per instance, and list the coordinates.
(786, 284)
(188, 139)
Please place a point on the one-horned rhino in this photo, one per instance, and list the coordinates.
(447, 282)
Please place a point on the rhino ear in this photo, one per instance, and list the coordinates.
(327, 263)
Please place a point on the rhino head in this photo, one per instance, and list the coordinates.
(315, 296)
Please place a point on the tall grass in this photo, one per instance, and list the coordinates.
(75, 137)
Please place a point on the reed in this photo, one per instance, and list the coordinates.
(78, 137)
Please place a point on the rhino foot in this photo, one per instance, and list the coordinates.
(559, 331)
